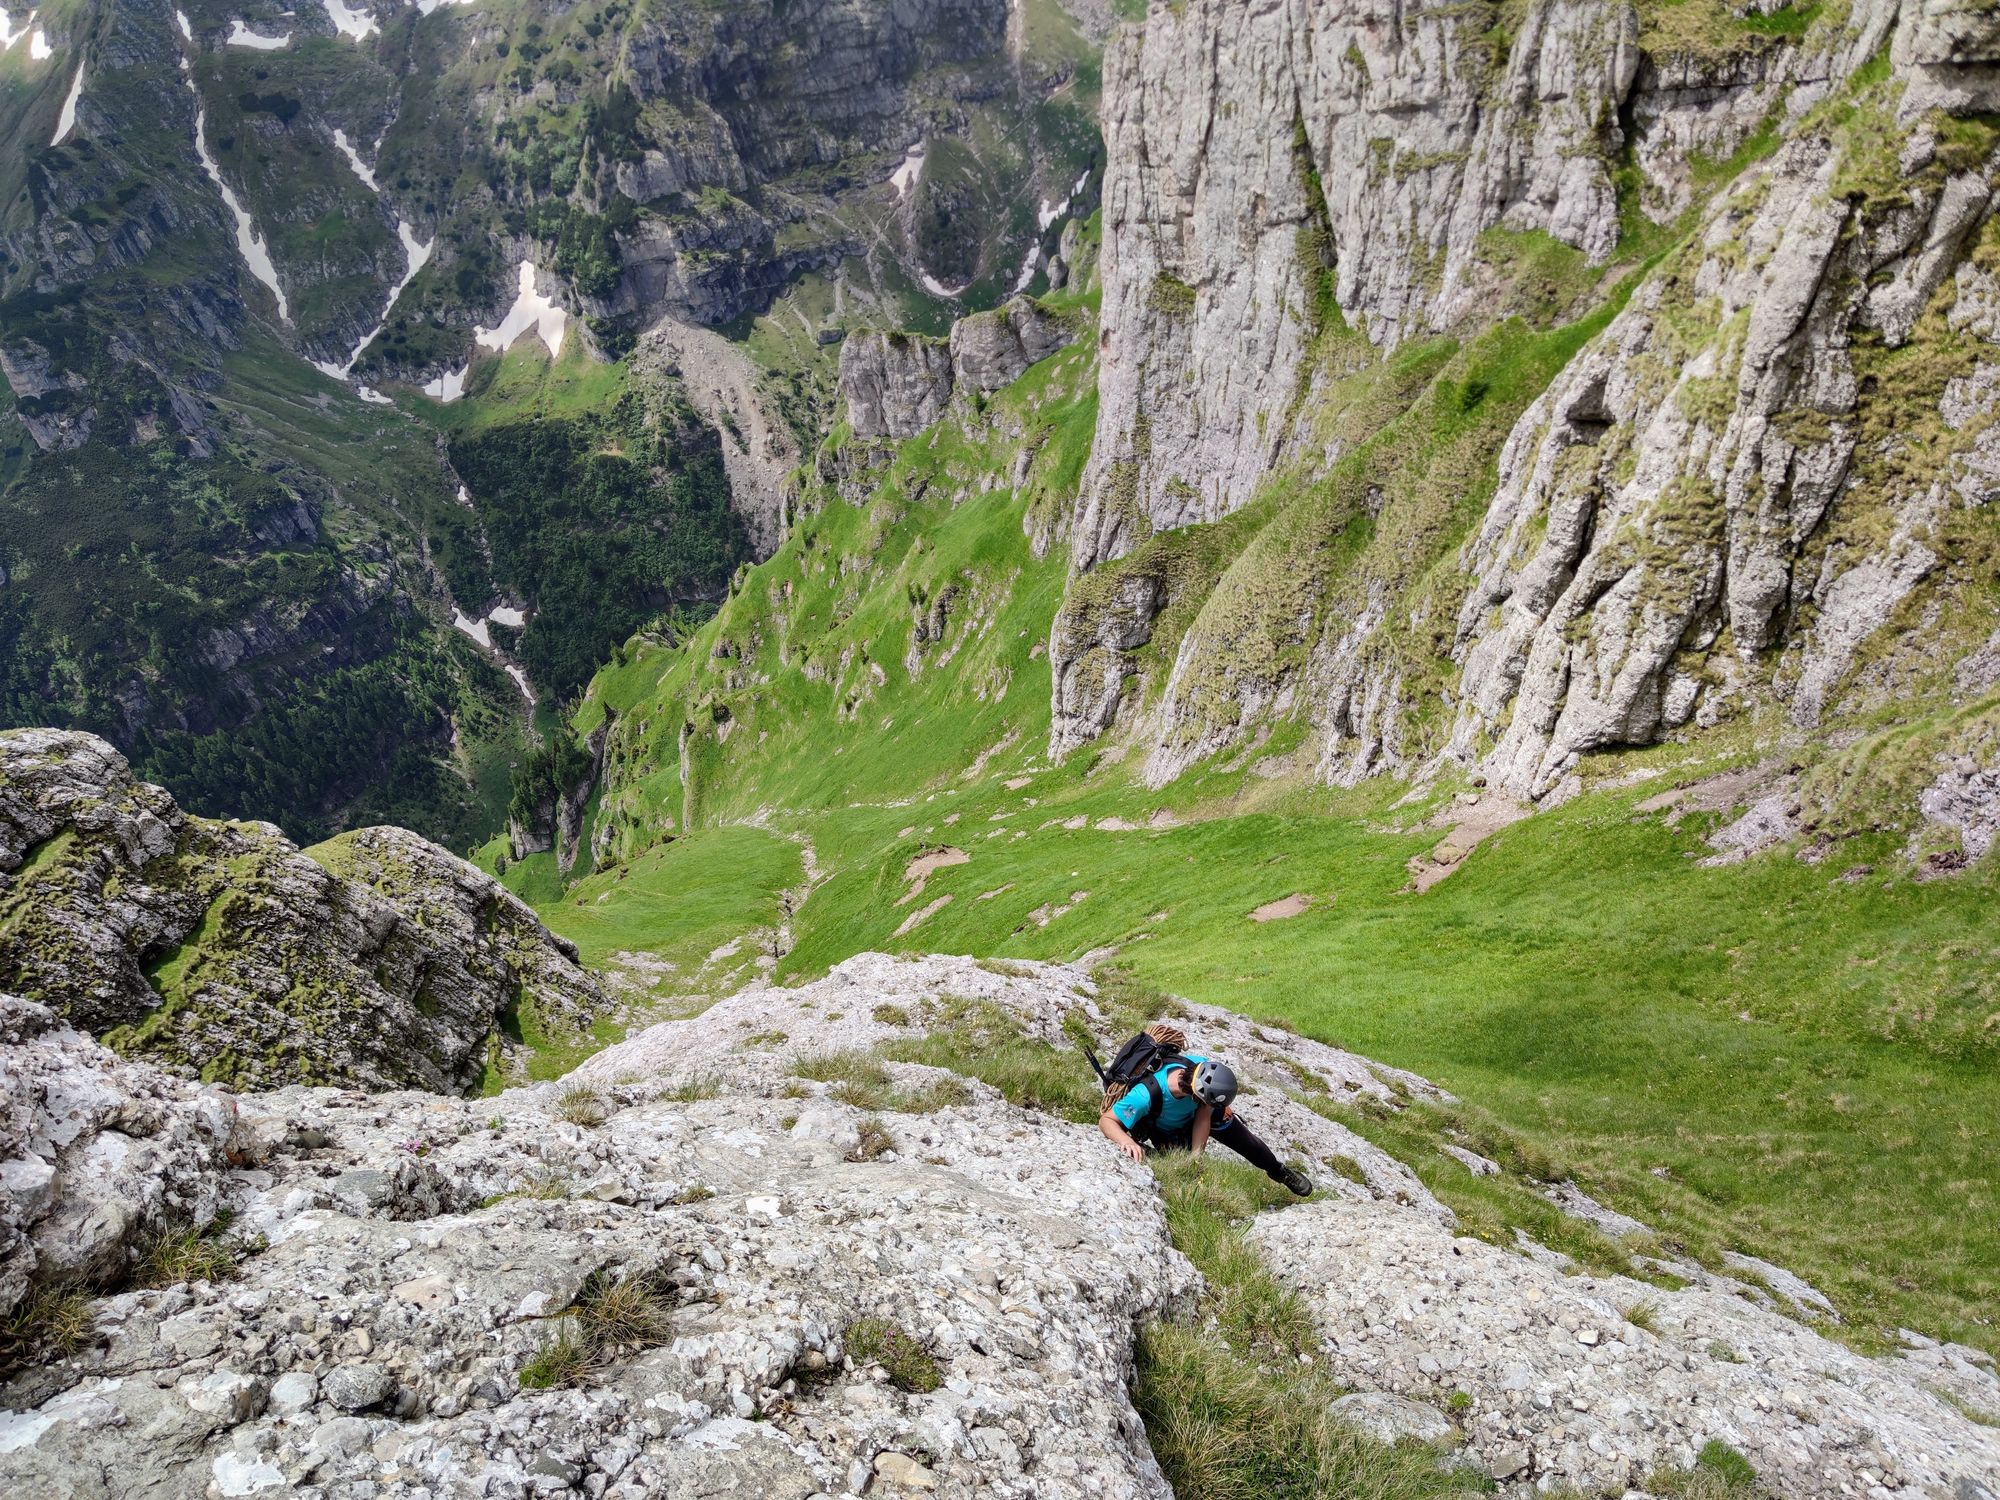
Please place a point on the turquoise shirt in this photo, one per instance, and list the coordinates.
(1174, 1113)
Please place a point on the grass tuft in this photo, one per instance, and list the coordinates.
(611, 1316)
(691, 1089)
(624, 1314)
(1719, 1473)
(909, 1365)
(875, 1141)
(51, 1322)
(582, 1105)
(979, 1040)
(174, 1256)
(564, 1360)
(1235, 1406)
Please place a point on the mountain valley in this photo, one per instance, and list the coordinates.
(1454, 550)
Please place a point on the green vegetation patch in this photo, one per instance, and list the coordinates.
(1232, 1402)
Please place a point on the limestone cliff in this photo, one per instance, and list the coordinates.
(1744, 474)
(894, 385)
(221, 949)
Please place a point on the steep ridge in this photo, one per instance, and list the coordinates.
(842, 1275)
(222, 950)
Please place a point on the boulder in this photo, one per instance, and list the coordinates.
(225, 951)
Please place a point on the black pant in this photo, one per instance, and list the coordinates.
(1228, 1131)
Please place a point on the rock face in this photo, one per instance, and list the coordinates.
(1703, 512)
(222, 949)
(1566, 1388)
(1253, 151)
(1737, 498)
(897, 384)
(404, 1259)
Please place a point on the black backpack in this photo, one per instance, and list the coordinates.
(1137, 1065)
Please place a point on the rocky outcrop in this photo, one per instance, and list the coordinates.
(440, 1245)
(759, 452)
(1715, 503)
(897, 384)
(1568, 1389)
(98, 1156)
(993, 349)
(221, 949)
(404, 1264)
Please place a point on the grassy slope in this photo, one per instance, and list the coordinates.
(1760, 1057)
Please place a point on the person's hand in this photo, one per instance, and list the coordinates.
(1133, 1150)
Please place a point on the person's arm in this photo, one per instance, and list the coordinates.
(1119, 1136)
(1202, 1121)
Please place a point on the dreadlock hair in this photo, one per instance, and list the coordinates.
(1167, 1035)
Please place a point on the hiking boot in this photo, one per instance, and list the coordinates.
(1297, 1181)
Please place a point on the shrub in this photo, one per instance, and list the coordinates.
(908, 1364)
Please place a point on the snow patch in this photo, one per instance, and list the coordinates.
(1049, 213)
(521, 682)
(373, 397)
(9, 36)
(937, 288)
(39, 49)
(509, 616)
(181, 20)
(353, 24)
(905, 177)
(361, 168)
(416, 254)
(1029, 263)
(530, 310)
(466, 625)
(242, 36)
(248, 243)
(68, 117)
(449, 386)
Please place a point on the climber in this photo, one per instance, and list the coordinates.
(1180, 1102)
